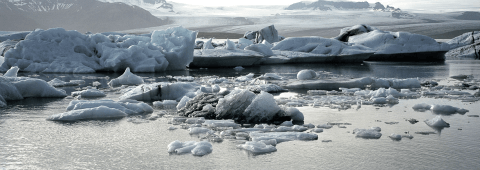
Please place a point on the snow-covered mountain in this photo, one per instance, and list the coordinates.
(160, 5)
(81, 15)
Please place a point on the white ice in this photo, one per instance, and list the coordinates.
(160, 91)
(101, 112)
(196, 148)
(127, 78)
(59, 83)
(257, 147)
(89, 93)
(367, 133)
(130, 107)
(72, 52)
(385, 42)
(437, 122)
(282, 136)
(306, 75)
(321, 46)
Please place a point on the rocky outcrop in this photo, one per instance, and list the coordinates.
(198, 106)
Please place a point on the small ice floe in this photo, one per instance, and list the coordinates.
(196, 148)
(89, 93)
(200, 130)
(421, 107)
(59, 83)
(437, 122)
(127, 78)
(396, 137)
(245, 78)
(160, 91)
(283, 136)
(310, 126)
(391, 123)
(238, 68)
(326, 141)
(317, 130)
(294, 128)
(101, 109)
(257, 147)
(184, 78)
(447, 110)
(306, 75)
(100, 112)
(165, 104)
(221, 123)
(172, 128)
(324, 126)
(473, 115)
(425, 133)
(412, 120)
(373, 133)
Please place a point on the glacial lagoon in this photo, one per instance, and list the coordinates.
(29, 141)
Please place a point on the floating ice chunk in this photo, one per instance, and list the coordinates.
(394, 136)
(421, 107)
(59, 83)
(24, 86)
(296, 128)
(379, 100)
(437, 122)
(306, 75)
(197, 120)
(245, 78)
(367, 133)
(160, 91)
(129, 107)
(101, 112)
(12, 72)
(294, 113)
(257, 147)
(324, 126)
(309, 125)
(317, 92)
(196, 148)
(283, 136)
(238, 68)
(199, 130)
(317, 130)
(447, 109)
(172, 128)
(89, 93)
(127, 78)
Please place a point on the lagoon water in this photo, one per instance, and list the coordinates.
(28, 141)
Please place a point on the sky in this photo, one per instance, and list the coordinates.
(419, 5)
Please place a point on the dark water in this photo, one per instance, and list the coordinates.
(28, 141)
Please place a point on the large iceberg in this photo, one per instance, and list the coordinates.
(318, 49)
(465, 46)
(397, 46)
(60, 51)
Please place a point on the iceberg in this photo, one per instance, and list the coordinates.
(127, 78)
(318, 49)
(59, 51)
(306, 75)
(373, 133)
(398, 46)
(130, 107)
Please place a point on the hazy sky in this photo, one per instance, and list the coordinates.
(445, 5)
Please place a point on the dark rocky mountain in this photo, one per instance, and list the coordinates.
(80, 15)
